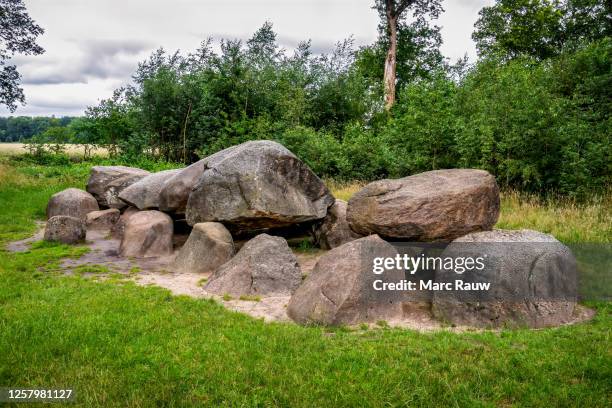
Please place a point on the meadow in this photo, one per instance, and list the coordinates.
(118, 344)
(74, 150)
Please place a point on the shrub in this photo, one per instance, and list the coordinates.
(424, 127)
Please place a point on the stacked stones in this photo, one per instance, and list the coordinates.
(258, 188)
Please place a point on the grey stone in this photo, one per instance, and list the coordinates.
(334, 230)
(65, 229)
(533, 281)
(255, 185)
(106, 182)
(145, 193)
(340, 288)
(175, 192)
(102, 220)
(118, 228)
(209, 246)
(147, 234)
(71, 202)
(437, 205)
(264, 266)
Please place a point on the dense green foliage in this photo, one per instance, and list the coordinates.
(22, 128)
(540, 28)
(534, 109)
(119, 344)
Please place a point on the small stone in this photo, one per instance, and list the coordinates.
(65, 229)
(102, 220)
(209, 246)
(147, 234)
(71, 202)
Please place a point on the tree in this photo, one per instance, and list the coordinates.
(418, 54)
(540, 28)
(392, 11)
(18, 33)
(514, 27)
(586, 20)
(113, 123)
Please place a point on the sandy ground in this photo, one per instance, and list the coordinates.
(159, 272)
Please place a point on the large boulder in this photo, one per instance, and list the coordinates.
(65, 229)
(103, 220)
(175, 192)
(118, 228)
(106, 182)
(334, 230)
(147, 234)
(144, 194)
(71, 202)
(532, 277)
(255, 185)
(340, 289)
(264, 266)
(438, 205)
(209, 246)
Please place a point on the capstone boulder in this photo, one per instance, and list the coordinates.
(254, 185)
(438, 205)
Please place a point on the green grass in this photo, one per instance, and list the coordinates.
(122, 345)
(250, 298)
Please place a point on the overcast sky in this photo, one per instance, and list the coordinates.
(93, 46)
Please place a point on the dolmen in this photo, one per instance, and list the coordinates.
(258, 188)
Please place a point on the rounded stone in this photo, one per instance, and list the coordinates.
(71, 202)
(209, 246)
(65, 229)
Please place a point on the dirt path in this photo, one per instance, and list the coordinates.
(158, 271)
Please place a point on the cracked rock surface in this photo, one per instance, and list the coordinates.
(257, 185)
(107, 182)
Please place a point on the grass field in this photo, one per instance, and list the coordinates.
(14, 149)
(121, 345)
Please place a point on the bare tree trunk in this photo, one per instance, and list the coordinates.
(185, 134)
(390, 62)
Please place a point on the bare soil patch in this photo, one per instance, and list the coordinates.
(104, 251)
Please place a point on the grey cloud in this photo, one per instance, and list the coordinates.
(56, 103)
(99, 59)
(43, 70)
(35, 110)
(54, 78)
(105, 59)
(109, 48)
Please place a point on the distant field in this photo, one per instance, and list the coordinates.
(72, 149)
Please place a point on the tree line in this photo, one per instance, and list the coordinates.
(534, 109)
(22, 128)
